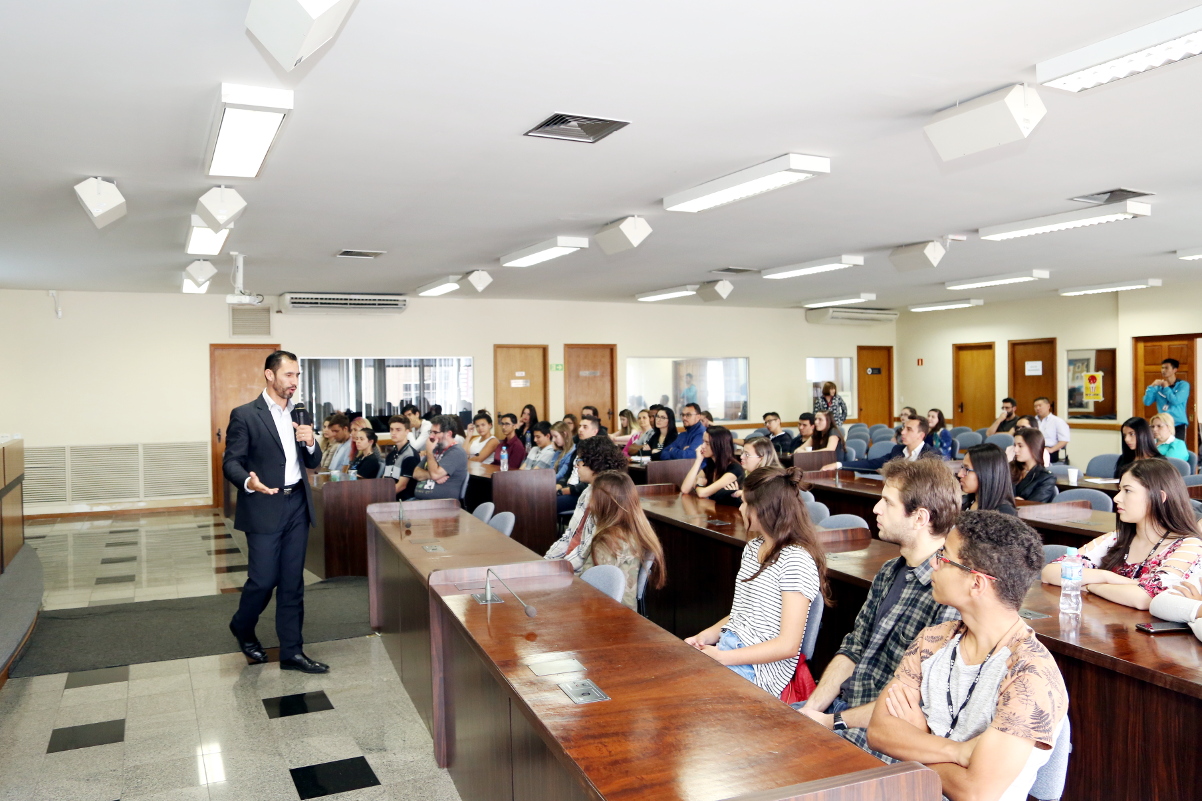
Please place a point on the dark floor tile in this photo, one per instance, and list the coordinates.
(88, 678)
(35, 537)
(91, 734)
(116, 579)
(216, 536)
(120, 544)
(117, 560)
(228, 590)
(230, 569)
(217, 551)
(328, 778)
(287, 705)
(123, 531)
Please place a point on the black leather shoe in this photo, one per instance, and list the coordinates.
(251, 649)
(304, 664)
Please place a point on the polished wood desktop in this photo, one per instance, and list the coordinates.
(1083, 482)
(671, 471)
(337, 540)
(12, 520)
(529, 494)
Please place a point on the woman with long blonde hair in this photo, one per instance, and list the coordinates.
(623, 536)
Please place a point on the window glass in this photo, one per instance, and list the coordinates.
(821, 369)
(718, 386)
(378, 388)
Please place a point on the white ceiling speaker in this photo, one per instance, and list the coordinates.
(620, 235)
(712, 291)
(293, 30)
(997, 118)
(200, 271)
(479, 279)
(919, 256)
(101, 200)
(220, 207)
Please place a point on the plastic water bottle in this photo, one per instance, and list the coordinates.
(505, 466)
(1071, 568)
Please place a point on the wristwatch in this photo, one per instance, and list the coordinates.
(839, 725)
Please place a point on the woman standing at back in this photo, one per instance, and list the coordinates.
(622, 535)
(829, 401)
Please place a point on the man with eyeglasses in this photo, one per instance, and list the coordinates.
(918, 507)
(443, 469)
(980, 700)
(685, 446)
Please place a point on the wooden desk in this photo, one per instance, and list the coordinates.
(529, 494)
(12, 487)
(1083, 482)
(809, 460)
(337, 541)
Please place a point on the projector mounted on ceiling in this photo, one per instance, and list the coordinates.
(835, 315)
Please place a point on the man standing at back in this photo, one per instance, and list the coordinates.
(1170, 395)
(266, 454)
(443, 470)
(918, 507)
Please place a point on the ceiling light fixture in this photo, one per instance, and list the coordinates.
(190, 287)
(440, 287)
(293, 30)
(101, 200)
(947, 304)
(998, 280)
(200, 271)
(544, 251)
(624, 234)
(1163, 42)
(247, 127)
(713, 291)
(220, 207)
(479, 279)
(1078, 218)
(1007, 115)
(1190, 255)
(1121, 286)
(667, 294)
(844, 300)
(816, 266)
(779, 172)
(919, 256)
(203, 241)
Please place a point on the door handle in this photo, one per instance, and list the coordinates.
(219, 435)
(961, 409)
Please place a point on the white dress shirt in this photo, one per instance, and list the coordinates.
(912, 455)
(418, 438)
(1053, 429)
(293, 472)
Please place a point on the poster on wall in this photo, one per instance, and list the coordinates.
(1078, 369)
(1093, 388)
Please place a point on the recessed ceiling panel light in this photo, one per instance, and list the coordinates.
(1007, 115)
(667, 294)
(293, 30)
(780, 171)
(203, 241)
(947, 304)
(250, 118)
(844, 300)
(998, 280)
(101, 200)
(1078, 218)
(1163, 42)
(1121, 286)
(220, 207)
(1190, 255)
(544, 251)
(440, 287)
(816, 266)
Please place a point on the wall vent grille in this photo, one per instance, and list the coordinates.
(45, 475)
(104, 473)
(116, 473)
(249, 321)
(173, 469)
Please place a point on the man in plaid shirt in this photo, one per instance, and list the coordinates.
(919, 505)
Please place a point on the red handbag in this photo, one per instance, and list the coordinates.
(801, 685)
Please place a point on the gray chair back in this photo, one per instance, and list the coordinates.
(1197, 504)
(1098, 500)
(1193, 462)
(968, 439)
(1059, 469)
(503, 522)
(818, 511)
(880, 428)
(644, 576)
(843, 521)
(1053, 552)
(483, 512)
(860, 436)
(1049, 780)
(1181, 465)
(1003, 441)
(882, 436)
(984, 432)
(1102, 465)
(759, 432)
(856, 449)
(806, 495)
(1193, 481)
(958, 430)
(853, 427)
(880, 449)
(813, 623)
(607, 578)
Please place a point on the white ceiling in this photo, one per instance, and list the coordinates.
(407, 137)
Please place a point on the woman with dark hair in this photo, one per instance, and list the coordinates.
(830, 401)
(1155, 546)
(1138, 444)
(1032, 481)
(527, 420)
(781, 572)
(623, 536)
(826, 436)
(715, 473)
(985, 479)
(938, 437)
(663, 434)
(480, 448)
(571, 422)
(365, 459)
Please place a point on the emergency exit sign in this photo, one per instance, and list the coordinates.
(557, 368)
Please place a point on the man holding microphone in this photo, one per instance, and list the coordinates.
(266, 453)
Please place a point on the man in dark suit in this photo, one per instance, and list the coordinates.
(913, 446)
(266, 454)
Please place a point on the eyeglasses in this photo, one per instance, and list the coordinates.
(965, 469)
(579, 462)
(939, 557)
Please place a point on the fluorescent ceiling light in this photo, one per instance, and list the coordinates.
(203, 241)
(1163, 42)
(947, 304)
(1094, 215)
(780, 171)
(190, 288)
(292, 30)
(1190, 255)
(101, 199)
(1122, 286)
(249, 121)
(544, 251)
(666, 294)
(841, 301)
(440, 287)
(998, 280)
(816, 266)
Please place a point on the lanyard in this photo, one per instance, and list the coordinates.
(1139, 571)
(950, 672)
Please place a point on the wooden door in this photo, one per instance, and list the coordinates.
(589, 380)
(974, 401)
(874, 396)
(235, 378)
(1149, 353)
(520, 377)
(1026, 388)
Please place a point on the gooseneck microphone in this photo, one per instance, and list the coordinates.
(301, 416)
(530, 610)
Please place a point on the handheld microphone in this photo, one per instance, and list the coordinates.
(301, 416)
(530, 610)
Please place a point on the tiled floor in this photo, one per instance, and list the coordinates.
(215, 728)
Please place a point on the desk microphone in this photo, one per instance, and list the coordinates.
(301, 416)
(530, 610)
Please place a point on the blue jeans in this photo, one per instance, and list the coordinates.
(838, 705)
(729, 642)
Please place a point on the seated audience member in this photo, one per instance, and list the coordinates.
(1182, 604)
(830, 401)
(805, 430)
(435, 410)
(338, 455)
(1137, 444)
(482, 444)
(781, 572)
(985, 478)
(1025, 421)
(826, 437)
(919, 505)
(907, 413)
(327, 440)
(358, 423)
(419, 429)
(663, 432)
(1167, 443)
(366, 462)
(460, 438)
(707, 419)
(1054, 429)
(510, 443)
(590, 428)
(570, 420)
(638, 436)
(565, 453)
(780, 439)
(716, 473)
(913, 446)
(980, 701)
(619, 534)
(1006, 421)
(1032, 481)
(585, 411)
(443, 469)
(594, 455)
(401, 458)
(1155, 545)
(757, 452)
(542, 455)
(526, 423)
(938, 436)
(685, 446)
(627, 426)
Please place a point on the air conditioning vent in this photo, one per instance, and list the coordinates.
(575, 129)
(732, 271)
(45, 475)
(105, 473)
(360, 254)
(330, 302)
(1111, 196)
(249, 321)
(176, 468)
(838, 316)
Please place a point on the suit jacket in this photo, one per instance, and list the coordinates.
(898, 452)
(252, 445)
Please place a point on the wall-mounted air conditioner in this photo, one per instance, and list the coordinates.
(341, 302)
(846, 316)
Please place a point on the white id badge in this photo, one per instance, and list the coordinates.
(428, 484)
(392, 471)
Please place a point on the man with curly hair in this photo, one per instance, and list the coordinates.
(594, 455)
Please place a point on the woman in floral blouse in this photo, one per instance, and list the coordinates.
(830, 402)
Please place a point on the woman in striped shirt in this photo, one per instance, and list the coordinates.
(781, 572)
